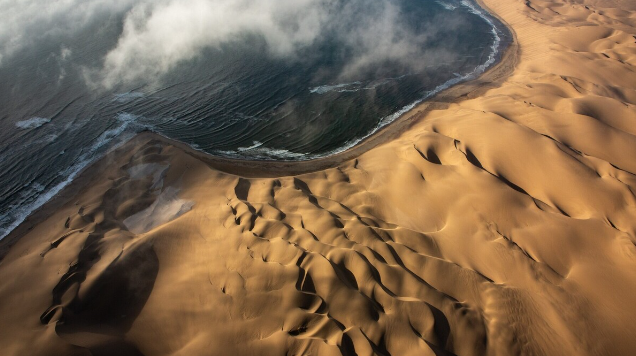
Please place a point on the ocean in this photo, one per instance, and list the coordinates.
(247, 79)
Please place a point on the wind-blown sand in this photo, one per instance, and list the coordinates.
(502, 224)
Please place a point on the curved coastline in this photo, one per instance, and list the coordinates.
(498, 50)
(384, 132)
(468, 86)
(464, 89)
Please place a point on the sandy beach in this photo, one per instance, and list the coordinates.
(498, 218)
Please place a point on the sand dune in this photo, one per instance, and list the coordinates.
(501, 224)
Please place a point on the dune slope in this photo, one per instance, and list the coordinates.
(502, 224)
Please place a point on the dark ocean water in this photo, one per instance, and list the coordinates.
(231, 100)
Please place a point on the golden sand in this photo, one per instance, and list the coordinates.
(503, 223)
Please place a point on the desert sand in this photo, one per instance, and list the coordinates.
(501, 223)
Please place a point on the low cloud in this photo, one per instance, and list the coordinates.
(24, 23)
(157, 36)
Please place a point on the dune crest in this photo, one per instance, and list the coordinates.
(501, 224)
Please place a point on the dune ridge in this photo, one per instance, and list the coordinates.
(500, 224)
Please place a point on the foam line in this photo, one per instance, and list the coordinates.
(327, 88)
(19, 214)
(32, 123)
(492, 57)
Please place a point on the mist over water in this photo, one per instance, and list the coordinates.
(248, 79)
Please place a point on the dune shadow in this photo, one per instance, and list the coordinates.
(106, 310)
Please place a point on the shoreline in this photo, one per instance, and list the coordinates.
(497, 56)
(247, 168)
(498, 47)
(491, 78)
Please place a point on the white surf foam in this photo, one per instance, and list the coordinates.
(253, 146)
(128, 96)
(492, 57)
(32, 123)
(447, 6)
(323, 89)
(19, 213)
(264, 153)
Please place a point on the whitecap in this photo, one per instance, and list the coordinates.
(256, 144)
(323, 89)
(354, 86)
(447, 6)
(32, 123)
(128, 96)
